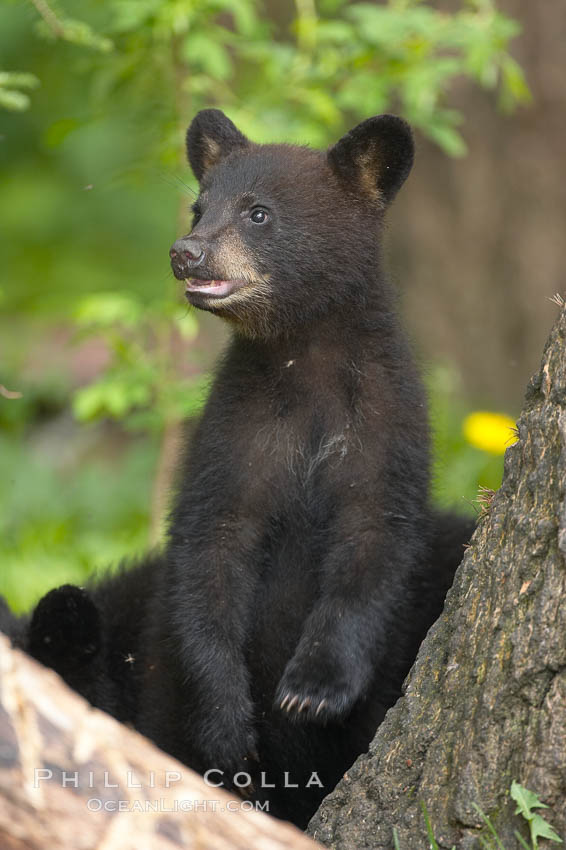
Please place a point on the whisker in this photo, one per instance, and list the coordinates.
(186, 186)
(166, 177)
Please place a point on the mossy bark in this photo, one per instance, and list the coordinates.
(485, 702)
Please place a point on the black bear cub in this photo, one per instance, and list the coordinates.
(303, 565)
(302, 513)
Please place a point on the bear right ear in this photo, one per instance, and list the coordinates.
(375, 157)
(210, 138)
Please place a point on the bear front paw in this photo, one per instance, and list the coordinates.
(230, 754)
(316, 690)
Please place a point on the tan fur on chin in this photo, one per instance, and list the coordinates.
(255, 300)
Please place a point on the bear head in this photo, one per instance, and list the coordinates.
(283, 234)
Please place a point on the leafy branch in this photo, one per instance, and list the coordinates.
(69, 29)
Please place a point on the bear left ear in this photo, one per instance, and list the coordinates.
(377, 155)
(65, 631)
(210, 137)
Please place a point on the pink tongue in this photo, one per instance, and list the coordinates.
(214, 287)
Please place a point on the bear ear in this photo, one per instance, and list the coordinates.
(64, 631)
(377, 156)
(210, 138)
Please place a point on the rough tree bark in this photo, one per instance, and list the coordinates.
(485, 702)
(103, 786)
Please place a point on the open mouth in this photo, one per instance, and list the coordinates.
(212, 288)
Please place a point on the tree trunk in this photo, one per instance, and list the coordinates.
(72, 778)
(485, 702)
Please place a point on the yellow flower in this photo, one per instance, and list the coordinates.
(492, 432)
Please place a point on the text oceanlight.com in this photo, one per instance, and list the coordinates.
(164, 806)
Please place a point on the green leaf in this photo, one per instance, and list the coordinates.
(88, 402)
(18, 79)
(15, 101)
(10, 81)
(112, 396)
(527, 801)
(542, 829)
(515, 88)
(448, 139)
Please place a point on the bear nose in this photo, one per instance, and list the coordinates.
(189, 250)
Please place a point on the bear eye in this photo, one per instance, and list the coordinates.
(196, 214)
(259, 215)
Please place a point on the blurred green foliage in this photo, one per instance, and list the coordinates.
(58, 525)
(142, 384)
(94, 100)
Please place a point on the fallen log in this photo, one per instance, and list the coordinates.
(72, 778)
